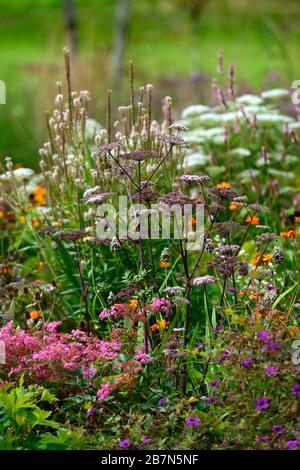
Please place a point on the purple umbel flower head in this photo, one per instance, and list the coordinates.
(262, 403)
(190, 421)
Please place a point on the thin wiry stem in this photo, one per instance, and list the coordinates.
(125, 171)
(83, 287)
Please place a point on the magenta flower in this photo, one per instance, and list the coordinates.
(91, 411)
(296, 391)
(261, 438)
(278, 430)
(270, 371)
(270, 287)
(226, 352)
(247, 362)
(162, 401)
(103, 392)
(262, 403)
(191, 421)
(161, 305)
(220, 328)
(125, 444)
(292, 444)
(211, 400)
(214, 383)
(146, 441)
(262, 335)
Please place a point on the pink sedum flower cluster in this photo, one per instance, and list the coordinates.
(47, 353)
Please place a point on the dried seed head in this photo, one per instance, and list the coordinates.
(277, 255)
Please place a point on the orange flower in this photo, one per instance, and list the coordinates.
(154, 327)
(1, 214)
(39, 195)
(161, 324)
(290, 233)
(193, 221)
(254, 220)
(6, 270)
(18, 165)
(165, 264)
(39, 266)
(35, 314)
(261, 259)
(134, 303)
(224, 184)
(22, 220)
(233, 207)
(294, 331)
(297, 219)
(35, 222)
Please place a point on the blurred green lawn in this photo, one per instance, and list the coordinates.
(260, 37)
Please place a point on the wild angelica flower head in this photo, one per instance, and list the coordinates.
(257, 208)
(99, 198)
(240, 199)
(227, 249)
(145, 212)
(194, 179)
(203, 281)
(266, 237)
(91, 192)
(223, 193)
(139, 155)
(46, 230)
(243, 269)
(213, 209)
(176, 198)
(224, 265)
(70, 235)
(127, 292)
(174, 290)
(173, 140)
(179, 127)
(277, 255)
(146, 184)
(107, 148)
(146, 195)
(93, 241)
(225, 228)
(180, 300)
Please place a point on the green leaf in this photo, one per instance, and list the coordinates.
(286, 292)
